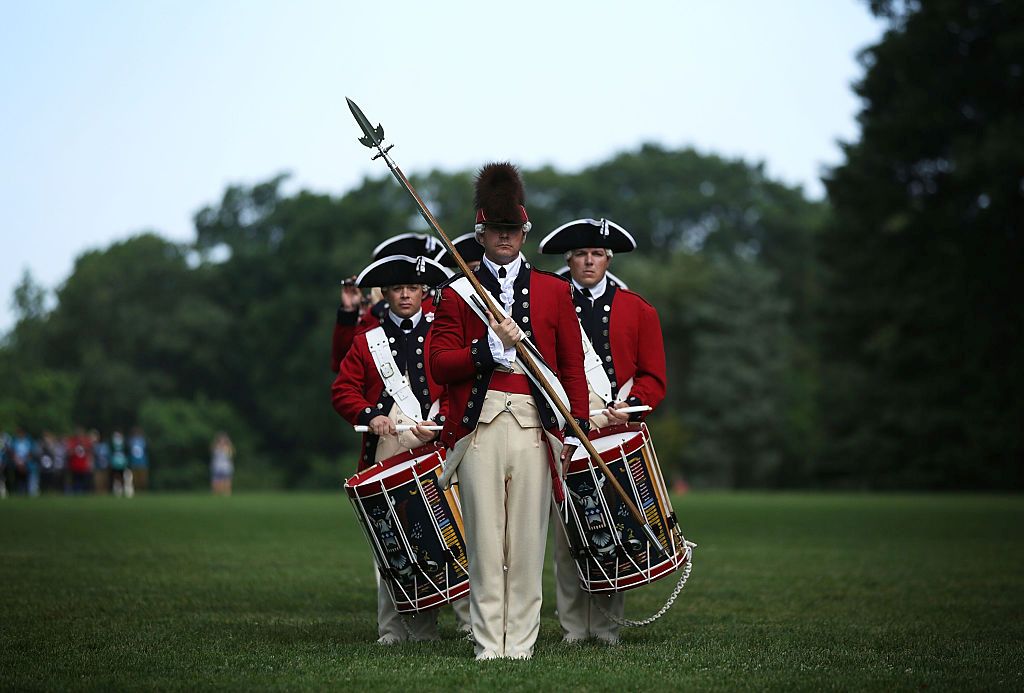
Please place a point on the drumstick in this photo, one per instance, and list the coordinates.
(624, 410)
(401, 428)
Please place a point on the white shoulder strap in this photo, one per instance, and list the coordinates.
(597, 378)
(396, 384)
(464, 289)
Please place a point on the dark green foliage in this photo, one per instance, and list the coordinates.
(157, 333)
(788, 592)
(922, 317)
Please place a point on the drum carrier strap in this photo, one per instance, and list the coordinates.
(395, 383)
(596, 375)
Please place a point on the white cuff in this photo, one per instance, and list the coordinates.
(572, 440)
(498, 352)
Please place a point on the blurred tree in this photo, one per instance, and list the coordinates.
(242, 320)
(922, 321)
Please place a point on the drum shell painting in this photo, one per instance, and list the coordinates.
(612, 551)
(414, 528)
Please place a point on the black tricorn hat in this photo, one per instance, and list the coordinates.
(563, 271)
(402, 269)
(499, 196)
(411, 244)
(469, 248)
(588, 233)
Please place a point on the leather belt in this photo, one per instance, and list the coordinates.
(514, 383)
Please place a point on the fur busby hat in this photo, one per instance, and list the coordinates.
(411, 244)
(499, 197)
(469, 248)
(563, 271)
(402, 269)
(588, 233)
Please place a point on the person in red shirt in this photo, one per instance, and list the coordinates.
(615, 322)
(79, 451)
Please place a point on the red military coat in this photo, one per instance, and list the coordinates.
(625, 327)
(461, 359)
(358, 392)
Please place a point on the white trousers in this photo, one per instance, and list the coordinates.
(416, 627)
(578, 612)
(505, 489)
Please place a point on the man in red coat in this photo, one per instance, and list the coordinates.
(383, 382)
(351, 318)
(502, 432)
(627, 369)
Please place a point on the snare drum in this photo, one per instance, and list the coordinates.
(414, 527)
(611, 550)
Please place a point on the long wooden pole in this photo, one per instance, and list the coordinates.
(374, 139)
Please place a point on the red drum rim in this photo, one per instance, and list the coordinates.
(630, 445)
(405, 606)
(627, 582)
(368, 482)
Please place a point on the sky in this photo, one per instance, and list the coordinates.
(118, 117)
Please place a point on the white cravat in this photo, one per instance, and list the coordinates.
(503, 356)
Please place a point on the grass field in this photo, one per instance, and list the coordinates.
(275, 591)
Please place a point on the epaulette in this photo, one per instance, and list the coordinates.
(634, 294)
(563, 277)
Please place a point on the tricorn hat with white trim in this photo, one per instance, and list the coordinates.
(588, 233)
(411, 244)
(469, 248)
(402, 269)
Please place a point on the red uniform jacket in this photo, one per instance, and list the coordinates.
(461, 359)
(351, 323)
(358, 392)
(636, 346)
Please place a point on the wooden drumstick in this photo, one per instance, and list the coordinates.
(624, 410)
(401, 428)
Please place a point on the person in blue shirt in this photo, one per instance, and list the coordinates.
(26, 467)
(138, 459)
(101, 463)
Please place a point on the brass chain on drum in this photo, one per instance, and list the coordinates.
(630, 623)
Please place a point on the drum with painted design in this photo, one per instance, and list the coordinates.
(612, 551)
(414, 527)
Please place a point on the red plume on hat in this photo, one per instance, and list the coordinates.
(499, 196)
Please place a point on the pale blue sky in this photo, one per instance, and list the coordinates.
(121, 116)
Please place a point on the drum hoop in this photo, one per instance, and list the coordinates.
(359, 483)
(641, 435)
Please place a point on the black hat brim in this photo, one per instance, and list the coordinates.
(402, 269)
(469, 248)
(409, 244)
(588, 233)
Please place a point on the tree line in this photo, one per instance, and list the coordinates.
(868, 340)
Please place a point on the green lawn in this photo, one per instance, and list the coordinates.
(276, 591)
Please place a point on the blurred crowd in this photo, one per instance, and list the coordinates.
(80, 463)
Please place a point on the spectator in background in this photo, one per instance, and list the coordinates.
(80, 461)
(222, 464)
(138, 458)
(52, 455)
(5, 453)
(26, 470)
(119, 472)
(101, 463)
